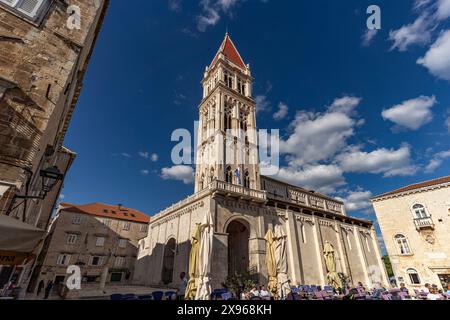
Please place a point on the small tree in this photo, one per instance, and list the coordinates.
(239, 282)
(388, 265)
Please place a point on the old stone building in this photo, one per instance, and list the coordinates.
(45, 48)
(102, 239)
(414, 221)
(245, 204)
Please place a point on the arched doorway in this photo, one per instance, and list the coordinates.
(238, 252)
(168, 261)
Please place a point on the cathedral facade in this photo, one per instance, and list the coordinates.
(245, 204)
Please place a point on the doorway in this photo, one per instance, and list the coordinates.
(238, 249)
(168, 262)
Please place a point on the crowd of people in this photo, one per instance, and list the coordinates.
(429, 292)
(261, 293)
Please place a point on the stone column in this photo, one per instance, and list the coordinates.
(219, 263)
(103, 277)
(383, 273)
(341, 249)
(361, 256)
(317, 242)
(293, 249)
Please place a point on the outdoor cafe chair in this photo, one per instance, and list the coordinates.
(328, 289)
(116, 296)
(169, 295)
(386, 296)
(157, 295)
(217, 293)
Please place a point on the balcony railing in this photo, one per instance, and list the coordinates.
(225, 187)
(424, 223)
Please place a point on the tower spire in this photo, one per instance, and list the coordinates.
(229, 51)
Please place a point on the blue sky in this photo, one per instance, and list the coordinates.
(359, 113)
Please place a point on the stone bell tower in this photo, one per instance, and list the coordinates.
(227, 141)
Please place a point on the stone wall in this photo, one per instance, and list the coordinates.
(306, 235)
(430, 253)
(42, 65)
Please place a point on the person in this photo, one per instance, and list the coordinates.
(182, 287)
(434, 295)
(263, 293)
(254, 292)
(403, 288)
(48, 289)
(427, 288)
(448, 289)
(245, 295)
(40, 287)
(361, 287)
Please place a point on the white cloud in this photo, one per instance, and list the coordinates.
(62, 196)
(154, 157)
(345, 104)
(437, 161)
(175, 5)
(443, 10)
(282, 111)
(368, 37)
(322, 178)
(358, 200)
(143, 154)
(211, 12)
(145, 172)
(389, 162)
(262, 105)
(417, 32)
(210, 18)
(437, 59)
(319, 136)
(179, 173)
(412, 114)
(419, 4)
(126, 155)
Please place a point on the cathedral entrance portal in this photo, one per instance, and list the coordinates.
(238, 249)
(168, 261)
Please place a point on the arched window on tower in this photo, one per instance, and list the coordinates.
(243, 120)
(227, 115)
(205, 125)
(247, 179)
(229, 175)
(402, 244)
(213, 117)
(202, 182)
(228, 78)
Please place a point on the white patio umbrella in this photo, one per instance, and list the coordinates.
(282, 268)
(204, 258)
(18, 240)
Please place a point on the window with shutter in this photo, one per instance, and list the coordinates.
(29, 8)
(11, 3)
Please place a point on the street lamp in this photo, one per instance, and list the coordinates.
(50, 178)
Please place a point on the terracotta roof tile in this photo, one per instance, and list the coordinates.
(230, 52)
(106, 210)
(419, 185)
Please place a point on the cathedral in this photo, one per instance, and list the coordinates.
(245, 204)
